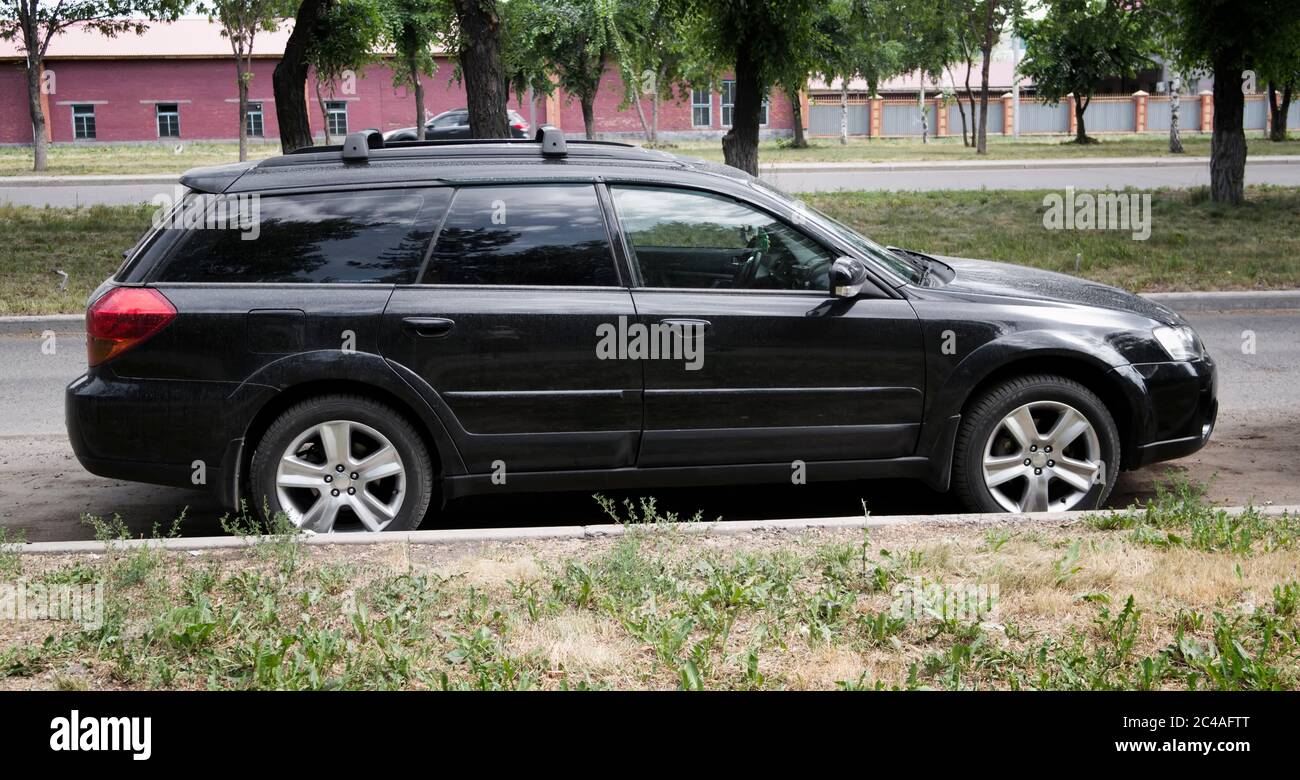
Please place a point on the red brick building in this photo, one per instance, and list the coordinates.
(177, 81)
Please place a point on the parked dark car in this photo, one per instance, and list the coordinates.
(454, 126)
(413, 324)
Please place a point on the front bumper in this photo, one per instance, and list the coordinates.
(1177, 413)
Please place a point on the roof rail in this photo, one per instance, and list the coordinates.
(357, 146)
(552, 140)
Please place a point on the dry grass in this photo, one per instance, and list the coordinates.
(660, 608)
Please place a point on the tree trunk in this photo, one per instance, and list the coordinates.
(1278, 112)
(920, 104)
(480, 63)
(588, 103)
(1228, 143)
(981, 140)
(1080, 133)
(640, 114)
(289, 81)
(1175, 109)
(740, 144)
(844, 111)
(418, 86)
(654, 118)
(970, 98)
(324, 115)
(40, 144)
(796, 109)
(243, 108)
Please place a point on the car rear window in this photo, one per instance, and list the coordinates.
(535, 234)
(355, 237)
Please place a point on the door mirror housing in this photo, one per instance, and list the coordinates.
(848, 277)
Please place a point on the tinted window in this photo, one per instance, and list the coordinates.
(682, 238)
(550, 234)
(323, 237)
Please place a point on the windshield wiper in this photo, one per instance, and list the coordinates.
(922, 263)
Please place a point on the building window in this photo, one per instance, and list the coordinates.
(254, 121)
(169, 120)
(336, 116)
(701, 108)
(729, 104)
(83, 121)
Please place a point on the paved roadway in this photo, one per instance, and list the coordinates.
(993, 174)
(46, 491)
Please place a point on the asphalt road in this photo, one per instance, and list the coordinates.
(45, 491)
(1079, 174)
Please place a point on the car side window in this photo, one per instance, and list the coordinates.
(451, 120)
(534, 234)
(690, 239)
(367, 237)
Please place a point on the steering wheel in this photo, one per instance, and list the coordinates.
(748, 270)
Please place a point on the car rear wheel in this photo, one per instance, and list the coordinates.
(1034, 444)
(343, 463)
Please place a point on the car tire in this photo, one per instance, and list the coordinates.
(999, 465)
(386, 481)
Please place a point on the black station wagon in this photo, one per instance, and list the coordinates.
(397, 325)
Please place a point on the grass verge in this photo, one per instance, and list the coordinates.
(1194, 245)
(1174, 595)
(128, 159)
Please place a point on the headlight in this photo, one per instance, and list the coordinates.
(1181, 342)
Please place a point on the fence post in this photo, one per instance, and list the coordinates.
(1072, 125)
(1207, 111)
(1008, 113)
(803, 110)
(940, 118)
(875, 116)
(1139, 112)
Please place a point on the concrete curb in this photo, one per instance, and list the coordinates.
(35, 324)
(1230, 300)
(588, 532)
(88, 179)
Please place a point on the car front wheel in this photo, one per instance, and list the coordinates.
(343, 463)
(1036, 444)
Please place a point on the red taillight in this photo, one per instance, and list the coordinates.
(520, 126)
(122, 319)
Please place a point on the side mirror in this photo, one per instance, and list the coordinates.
(848, 277)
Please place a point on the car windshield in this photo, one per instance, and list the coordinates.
(904, 266)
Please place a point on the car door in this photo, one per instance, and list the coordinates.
(448, 127)
(503, 326)
(783, 371)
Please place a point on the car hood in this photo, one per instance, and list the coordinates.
(983, 277)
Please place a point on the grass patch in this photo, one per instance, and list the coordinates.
(1091, 606)
(1194, 245)
(128, 159)
(999, 148)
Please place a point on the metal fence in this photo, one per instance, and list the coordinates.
(1109, 116)
(905, 118)
(1038, 117)
(824, 118)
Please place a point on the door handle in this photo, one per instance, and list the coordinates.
(688, 324)
(428, 327)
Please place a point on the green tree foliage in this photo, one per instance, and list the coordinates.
(352, 31)
(1078, 44)
(410, 28)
